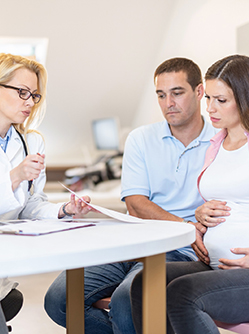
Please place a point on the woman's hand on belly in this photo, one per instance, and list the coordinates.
(209, 213)
(237, 263)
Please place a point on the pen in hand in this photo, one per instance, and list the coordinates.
(30, 182)
(38, 154)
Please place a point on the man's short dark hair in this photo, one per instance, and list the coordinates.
(192, 70)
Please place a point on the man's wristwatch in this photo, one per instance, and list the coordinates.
(186, 221)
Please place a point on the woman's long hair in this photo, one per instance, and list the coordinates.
(234, 71)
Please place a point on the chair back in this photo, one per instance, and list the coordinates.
(237, 328)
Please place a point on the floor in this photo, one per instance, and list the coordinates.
(32, 317)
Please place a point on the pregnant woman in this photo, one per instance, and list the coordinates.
(198, 292)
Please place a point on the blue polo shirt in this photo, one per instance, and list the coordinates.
(160, 167)
(4, 141)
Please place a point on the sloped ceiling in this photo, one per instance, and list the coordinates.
(100, 56)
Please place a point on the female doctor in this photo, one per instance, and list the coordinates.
(22, 167)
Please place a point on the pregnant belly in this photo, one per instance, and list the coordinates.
(220, 239)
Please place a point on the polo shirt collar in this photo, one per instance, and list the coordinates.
(205, 135)
(166, 132)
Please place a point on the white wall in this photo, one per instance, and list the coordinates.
(204, 31)
(102, 55)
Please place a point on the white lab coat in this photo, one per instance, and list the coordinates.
(20, 203)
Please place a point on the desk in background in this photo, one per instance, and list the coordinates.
(105, 194)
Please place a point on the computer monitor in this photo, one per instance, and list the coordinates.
(106, 133)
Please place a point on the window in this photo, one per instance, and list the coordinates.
(35, 48)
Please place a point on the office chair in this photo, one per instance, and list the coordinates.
(11, 305)
(107, 167)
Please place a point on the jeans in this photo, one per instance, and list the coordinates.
(3, 326)
(196, 295)
(100, 282)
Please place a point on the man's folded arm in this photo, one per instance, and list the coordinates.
(140, 206)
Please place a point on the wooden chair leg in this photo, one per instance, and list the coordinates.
(75, 301)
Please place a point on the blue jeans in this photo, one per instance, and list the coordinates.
(100, 282)
(196, 295)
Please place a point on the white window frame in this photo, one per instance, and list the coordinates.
(23, 45)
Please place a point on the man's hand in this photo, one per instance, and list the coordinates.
(209, 213)
(242, 262)
(198, 245)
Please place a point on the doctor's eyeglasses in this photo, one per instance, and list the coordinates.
(25, 94)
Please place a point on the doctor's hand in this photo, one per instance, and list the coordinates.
(242, 262)
(209, 213)
(76, 207)
(198, 245)
(29, 169)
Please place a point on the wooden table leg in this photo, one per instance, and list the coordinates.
(154, 295)
(75, 301)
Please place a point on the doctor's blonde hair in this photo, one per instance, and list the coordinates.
(8, 65)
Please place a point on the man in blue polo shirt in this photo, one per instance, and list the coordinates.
(162, 160)
(161, 164)
(159, 181)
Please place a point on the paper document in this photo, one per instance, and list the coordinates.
(110, 213)
(40, 227)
